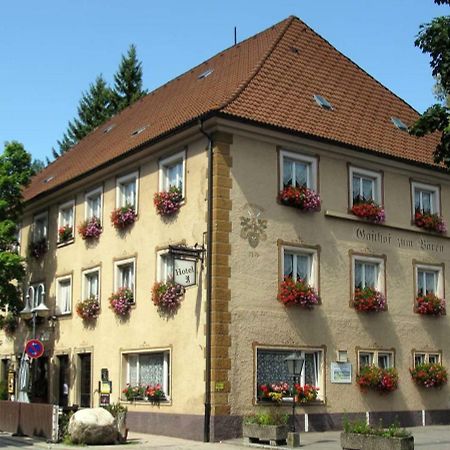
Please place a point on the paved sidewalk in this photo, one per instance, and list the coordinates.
(426, 438)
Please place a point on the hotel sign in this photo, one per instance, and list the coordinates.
(184, 271)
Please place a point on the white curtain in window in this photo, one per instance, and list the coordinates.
(174, 175)
(92, 285)
(67, 217)
(126, 276)
(297, 266)
(295, 173)
(94, 206)
(64, 295)
(151, 368)
(128, 191)
(133, 378)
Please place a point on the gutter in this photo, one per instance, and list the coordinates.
(207, 419)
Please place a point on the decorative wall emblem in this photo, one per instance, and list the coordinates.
(253, 226)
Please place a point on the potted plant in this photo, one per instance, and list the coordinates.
(368, 300)
(168, 202)
(133, 393)
(302, 198)
(266, 427)
(167, 296)
(154, 393)
(121, 301)
(361, 436)
(368, 209)
(429, 221)
(123, 217)
(297, 292)
(90, 228)
(38, 249)
(65, 234)
(429, 375)
(430, 304)
(376, 379)
(88, 309)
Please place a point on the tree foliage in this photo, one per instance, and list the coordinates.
(128, 81)
(101, 102)
(434, 39)
(15, 173)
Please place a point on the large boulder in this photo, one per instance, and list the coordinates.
(94, 426)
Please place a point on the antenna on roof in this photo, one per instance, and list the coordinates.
(235, 35)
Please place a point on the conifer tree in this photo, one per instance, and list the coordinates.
(94, 108)
(128, 81)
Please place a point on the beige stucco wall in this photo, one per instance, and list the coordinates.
(108, 337)
(257, 316)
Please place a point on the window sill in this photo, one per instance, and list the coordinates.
(142, 402)
(65, 243)
(65, 315)
(353, 218)
(288, 402)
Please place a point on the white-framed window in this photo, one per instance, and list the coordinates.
(300, 263)
(64, 295)
(125, 273)
(429, 280)
(271, 367)
(91, 283)
(368, 272)
(66, 215)
(426, 358)
(297, 170)
(383, 359)
(172, 172)
(365, 185)
(93, 204)
(425, 198)
(127, 190)
(40, 227)
(164, 267)
(148, 368)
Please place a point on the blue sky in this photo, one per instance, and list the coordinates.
(52, 50)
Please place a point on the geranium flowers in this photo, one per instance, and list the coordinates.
(301, 198)
(429, 375)
(123, 217)
(369, 210)
(430, 304)
(168, 202)
(377, 379)
(167, 296)
(297, 292)
(368, 299)
(277, 391)
(429, 221)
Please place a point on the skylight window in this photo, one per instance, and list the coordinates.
(322, 101)
(205, 74)
(109, 128)
(399, 124)
(47, 180)
(138, 131)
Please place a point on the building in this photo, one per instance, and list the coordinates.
(283, 108)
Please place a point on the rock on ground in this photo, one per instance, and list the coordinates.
(93, 426)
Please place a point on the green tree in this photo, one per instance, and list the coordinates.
(434, 39)
(128, 81)
(94, 108)
(15, 173)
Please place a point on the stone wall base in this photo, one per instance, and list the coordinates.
(189, 426)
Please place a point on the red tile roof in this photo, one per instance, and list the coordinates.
(269, 79)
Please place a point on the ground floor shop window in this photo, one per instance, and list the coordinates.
(272, 371)
(147, 376)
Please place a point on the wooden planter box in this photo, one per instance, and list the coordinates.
(353, 441)
(273, 434)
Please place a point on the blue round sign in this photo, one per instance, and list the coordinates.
(34, 348)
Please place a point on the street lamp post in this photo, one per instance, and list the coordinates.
(33, 310)
(294, 364)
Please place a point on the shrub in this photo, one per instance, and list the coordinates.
(267, 418)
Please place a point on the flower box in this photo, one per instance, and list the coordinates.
(430, 304)
(429, 375)
(121, 301)
(276, 392)
(357, 441)
(373, 378)
(123, 217)
(168, 202)
(297, 293)
(300, 197)
(369, 210)
(90, 228)
(88, 309)
(167, 296)
(65, 234)
(38, 248)
(273, 434)
(430, 222)
(155, 393)
(368, 300)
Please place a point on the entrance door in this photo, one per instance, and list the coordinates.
(85, 379)
(63, 386)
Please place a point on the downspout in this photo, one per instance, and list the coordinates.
(207, 421)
